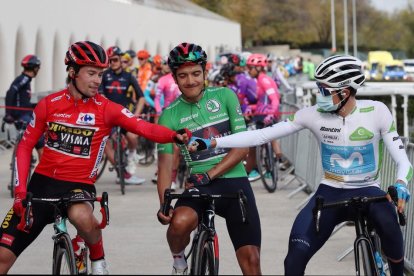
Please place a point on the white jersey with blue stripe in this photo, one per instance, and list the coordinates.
(351, 147)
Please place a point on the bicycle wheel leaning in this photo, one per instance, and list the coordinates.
(13, 173)
(203, 258)
(63, 256)
(267, 166)
(120, 159)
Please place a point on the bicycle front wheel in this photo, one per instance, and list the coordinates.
(364, 256)
(63, 256)
(203, 261)
(266, 165)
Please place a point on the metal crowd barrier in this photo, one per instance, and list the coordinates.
(302, 150)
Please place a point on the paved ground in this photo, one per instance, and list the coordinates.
(135, 242)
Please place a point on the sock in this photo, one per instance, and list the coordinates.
(173, 175)
(396, 268)
(96, 251)
(179, 260)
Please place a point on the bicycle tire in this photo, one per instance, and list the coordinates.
(12, 182)
(148, 152)
(119, 160)
(364, 255)
(266, 165)
(63, 256)
(102, 166)
(203, 259)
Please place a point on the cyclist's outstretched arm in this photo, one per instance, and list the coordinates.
(116, 115)
(256, 137)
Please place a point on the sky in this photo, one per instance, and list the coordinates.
(390, 5)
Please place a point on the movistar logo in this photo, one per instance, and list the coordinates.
(330, 129)
(361, 134)
(346, 163)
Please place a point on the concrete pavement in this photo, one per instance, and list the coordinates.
(135, 241)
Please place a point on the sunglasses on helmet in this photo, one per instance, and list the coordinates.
(326, 91)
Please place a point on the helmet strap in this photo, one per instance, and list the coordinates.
(342, 102)
(77, 89)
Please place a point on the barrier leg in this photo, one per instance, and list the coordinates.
(345, 253)
(339, 227)
(297, 190)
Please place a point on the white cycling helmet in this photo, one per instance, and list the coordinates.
(340, 71)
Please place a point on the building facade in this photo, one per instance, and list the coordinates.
(47, 28)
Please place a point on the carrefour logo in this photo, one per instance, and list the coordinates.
(348, 160)
(86, 119)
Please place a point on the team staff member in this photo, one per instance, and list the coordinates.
(77, 122)
(351, 134)
(20, 93)
(208, 112)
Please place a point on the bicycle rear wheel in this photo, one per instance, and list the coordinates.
(120, 159)
(267, 166)
(63, 257)
(102, 166)
(203, 259)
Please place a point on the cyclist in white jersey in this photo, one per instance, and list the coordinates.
(351, 134)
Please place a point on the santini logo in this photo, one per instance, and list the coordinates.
(330, 129)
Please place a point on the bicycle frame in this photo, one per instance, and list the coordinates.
(206, 225)
(364, 239)
(61, 236)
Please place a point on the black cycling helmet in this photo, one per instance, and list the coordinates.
(185, 53)
(227, 70)
(30, 62)
(86, 53)
(114, 51)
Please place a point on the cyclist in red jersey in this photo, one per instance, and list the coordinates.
(76, 121)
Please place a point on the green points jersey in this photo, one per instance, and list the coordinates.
(217, 114)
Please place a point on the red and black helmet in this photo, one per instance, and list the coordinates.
(114, 51)
(186, 53)
(86, 53)
(30, 61)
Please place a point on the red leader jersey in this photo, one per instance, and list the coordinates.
(76, 132)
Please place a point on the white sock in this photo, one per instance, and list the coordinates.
(179, 260)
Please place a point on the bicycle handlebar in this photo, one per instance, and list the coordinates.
(240, 196)
(355, 202)
(24, 224)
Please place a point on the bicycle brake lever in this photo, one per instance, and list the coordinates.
(392, 191)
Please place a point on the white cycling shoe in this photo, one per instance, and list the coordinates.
(177, 271)
(99, 267)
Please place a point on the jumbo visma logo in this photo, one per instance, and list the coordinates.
(361, 134)
(348, 160)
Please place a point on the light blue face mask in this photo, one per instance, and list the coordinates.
(326, 103)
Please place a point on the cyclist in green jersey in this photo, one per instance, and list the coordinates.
(207, 112)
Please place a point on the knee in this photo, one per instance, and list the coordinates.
(84, 222)
(181, 225)
(297, 258)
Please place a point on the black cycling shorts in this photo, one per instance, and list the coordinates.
(241, 234)
(43, 214)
